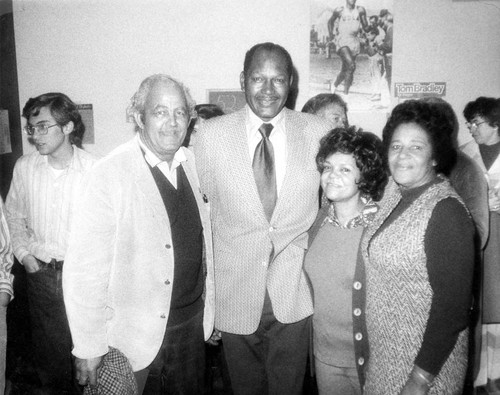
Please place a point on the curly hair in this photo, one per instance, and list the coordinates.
(62, 109)
(366, 148)
(138, 101)
(484, 107)
(434, 121)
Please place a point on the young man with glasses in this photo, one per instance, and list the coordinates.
(39, 209)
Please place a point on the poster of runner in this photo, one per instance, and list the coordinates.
(351, 51)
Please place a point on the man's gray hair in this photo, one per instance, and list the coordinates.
(138, 101)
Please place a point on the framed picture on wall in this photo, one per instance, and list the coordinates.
(228, 100)
(351, 51)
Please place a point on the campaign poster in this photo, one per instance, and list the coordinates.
(351, 51)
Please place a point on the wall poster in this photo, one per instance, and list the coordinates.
(351, 51)
(87, 113)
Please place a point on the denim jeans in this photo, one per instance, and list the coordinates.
(50, 330)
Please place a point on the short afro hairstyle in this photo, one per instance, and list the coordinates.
(434, 121)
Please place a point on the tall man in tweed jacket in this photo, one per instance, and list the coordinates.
(263, 302)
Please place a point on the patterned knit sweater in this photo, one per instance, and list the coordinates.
(399, 296)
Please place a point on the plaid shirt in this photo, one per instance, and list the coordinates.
(369, 210)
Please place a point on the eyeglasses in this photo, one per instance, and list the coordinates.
(473, 124)
(41, 129)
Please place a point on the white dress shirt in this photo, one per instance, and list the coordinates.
(39, 206)
(277, 138)
(168, 171)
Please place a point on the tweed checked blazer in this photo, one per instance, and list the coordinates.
(119, 269)
(250, 253)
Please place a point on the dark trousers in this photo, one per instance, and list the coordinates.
(179, 367)
(50, 330)
(270, 361)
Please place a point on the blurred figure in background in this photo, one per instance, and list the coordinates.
(353, 177)
(334, 109)
(330, 106)
(483, 120)
(467, 178)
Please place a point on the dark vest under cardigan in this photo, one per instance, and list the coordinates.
(187, 240)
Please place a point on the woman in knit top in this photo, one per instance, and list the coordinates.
(418, 255)
(352, 177)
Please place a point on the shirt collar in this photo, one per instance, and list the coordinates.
(74, 165)
(254, 122)
(153, 160)
(370, 208)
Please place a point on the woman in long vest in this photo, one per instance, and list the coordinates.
(418, 255)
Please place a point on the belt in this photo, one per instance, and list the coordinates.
(56, 265)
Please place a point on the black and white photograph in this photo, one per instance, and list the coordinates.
(351, 51)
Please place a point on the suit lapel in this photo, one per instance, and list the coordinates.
(297, 151)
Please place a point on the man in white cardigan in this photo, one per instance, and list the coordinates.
(138, 275)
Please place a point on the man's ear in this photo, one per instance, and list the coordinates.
(68, 128)
(242, 81)
(138, 119)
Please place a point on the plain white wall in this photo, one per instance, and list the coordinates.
(99, 51)
(452, 41)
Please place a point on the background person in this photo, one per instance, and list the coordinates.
(257, 168)
(419, 260)
(329, 106)
(139, 272)
(483, 121)
(334, 109)
(467, 178)
(39, 209)
(352, 178)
